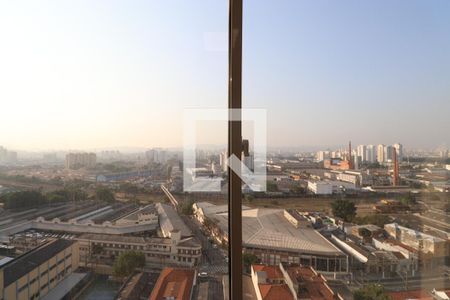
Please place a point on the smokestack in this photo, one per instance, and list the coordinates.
(350, 161)
(396, 179)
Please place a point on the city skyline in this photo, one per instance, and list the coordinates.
(84, 75)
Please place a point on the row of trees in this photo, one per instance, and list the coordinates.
(35, 198)
(344, 209)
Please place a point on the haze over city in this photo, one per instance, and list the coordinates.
(108, 74)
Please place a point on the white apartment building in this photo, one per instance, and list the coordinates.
(399, 148)
(322, 155)
(361, 151)
(381, 154)
(320, 187)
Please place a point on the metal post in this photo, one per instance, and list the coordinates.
(235, 148)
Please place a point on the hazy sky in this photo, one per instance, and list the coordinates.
(91, 74)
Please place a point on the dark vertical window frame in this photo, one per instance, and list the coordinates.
(235, 148)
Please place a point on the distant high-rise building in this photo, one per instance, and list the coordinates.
(380, 153)
(156, 156)
(350, 156)
(399, 149)
(78, 160)
(361, 151)
(389, 153)
(371, 153)
(444, 153)
(7, 156)
(223, 159)
(246, 157)
(322, 155)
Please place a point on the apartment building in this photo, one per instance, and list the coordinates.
(33, 274)
(77, 160)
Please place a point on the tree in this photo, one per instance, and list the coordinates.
(97, 249)
(249, 259)
(378, 219)
(104, 194)
(344, 209)
(127, 262)
(187, 209)
(272, 186)
(249, 198)
(371, 292)
(23, 199)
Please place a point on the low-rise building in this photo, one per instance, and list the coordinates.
(290, 282)
(269, 283)
(432, 250)
(278, 236)
(169, 220)
(306, 283)
(368, 260)
(173, 250)
(320, 187)
(33, 274)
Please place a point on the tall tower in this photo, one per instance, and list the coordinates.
(350, 161)
(396, 179)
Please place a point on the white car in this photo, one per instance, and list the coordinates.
(202, 274)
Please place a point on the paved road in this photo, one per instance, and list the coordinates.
(213, 258)
(209, 289)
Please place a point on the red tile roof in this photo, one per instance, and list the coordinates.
(314, 286)
(275, 288)
(410, 295)
(175, 283)
(271, 271)
(275, 292)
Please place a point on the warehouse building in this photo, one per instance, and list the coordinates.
(34, 274)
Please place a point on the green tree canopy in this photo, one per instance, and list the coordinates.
(344, 209)
(371, 292)
(23, 199)
(186, 208)
(127, 262)
(249, 259)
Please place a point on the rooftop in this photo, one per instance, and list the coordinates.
(275, 292)
(271, 283)
(169, 220)
(412, 295)
(311, 285)
(175, 283)
(269, 229)
(418, 234)
(123, 238)
(27, 262)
